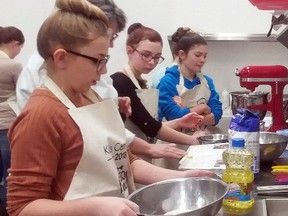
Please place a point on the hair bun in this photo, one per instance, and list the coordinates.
(82, 7)
(133, 27)
(181, 31)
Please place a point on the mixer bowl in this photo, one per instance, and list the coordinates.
(272, 145)
(243, 99)
(183, 196)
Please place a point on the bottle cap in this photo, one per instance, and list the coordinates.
(238, 142)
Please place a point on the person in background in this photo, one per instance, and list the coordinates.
(157, 75)
(117, 22)
(144, 49)
(78, 162)
(184, 88)
(11, 43)
(34, 73)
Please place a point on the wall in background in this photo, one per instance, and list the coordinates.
(26, 15)
(225, 57)
(207, 16)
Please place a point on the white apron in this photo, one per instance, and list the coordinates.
(149, 98)
(190, 97)
(200, 94)
(104, 168)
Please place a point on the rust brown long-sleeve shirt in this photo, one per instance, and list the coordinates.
(46, 147)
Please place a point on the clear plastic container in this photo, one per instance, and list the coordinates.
(239, 177)
(225, 96)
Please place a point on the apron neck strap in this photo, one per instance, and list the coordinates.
(198, 74)
(131, 75)
(54, 88)
(181, 79)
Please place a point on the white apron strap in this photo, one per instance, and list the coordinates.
(51, 85)
(131, 75)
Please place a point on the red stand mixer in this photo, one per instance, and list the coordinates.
(277, 77)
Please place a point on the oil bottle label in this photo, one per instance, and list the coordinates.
(251, 143)
(240, 191)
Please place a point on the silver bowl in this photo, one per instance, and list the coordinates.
(272, 145)
(183, 196)
(213, 138)
(243, 99)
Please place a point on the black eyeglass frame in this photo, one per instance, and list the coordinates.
(97, 61)
(158, 60)
(114, 37)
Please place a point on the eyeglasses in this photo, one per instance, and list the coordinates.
(148, 57)
(100, 63)
(114, 37)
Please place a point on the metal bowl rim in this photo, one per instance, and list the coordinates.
(273, 133)
(248, 94)
(186, 179)
(226, 136)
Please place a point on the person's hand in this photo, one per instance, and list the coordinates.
(196, 173)
(201, 109)
(114, 206)
(200, 133)
(191, 120)
(196, 135)
(124, 104)
(178, 101)
(166, 151)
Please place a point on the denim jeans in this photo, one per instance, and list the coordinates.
(5, 161)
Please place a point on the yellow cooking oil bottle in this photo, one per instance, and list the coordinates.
(240, 179)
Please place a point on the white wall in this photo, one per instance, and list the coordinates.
(207, 16)
(26, 15)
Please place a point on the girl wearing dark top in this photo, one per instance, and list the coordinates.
(144, 49)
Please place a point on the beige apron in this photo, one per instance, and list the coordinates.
(149, 98)
(104, 168)
(200, 94)
(190, 97)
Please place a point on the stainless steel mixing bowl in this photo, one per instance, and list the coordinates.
(183, 196)
(243, 99)
(272, 145)
(213, 138)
